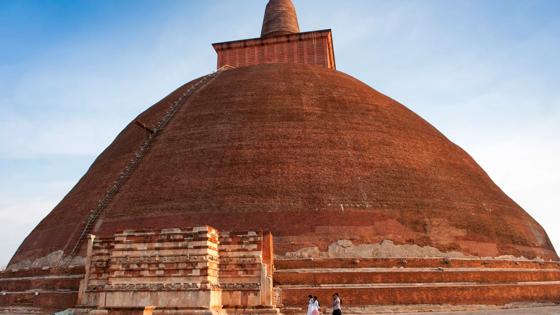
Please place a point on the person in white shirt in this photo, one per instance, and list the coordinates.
(337, 310)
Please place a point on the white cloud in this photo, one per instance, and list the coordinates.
(19, 217)
(526, 167)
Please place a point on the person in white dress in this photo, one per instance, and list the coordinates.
(310, 305)
(316, 307)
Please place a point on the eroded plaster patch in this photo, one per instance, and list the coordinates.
(540, 238)
(385, 249)
(441, 231)
(53, 259)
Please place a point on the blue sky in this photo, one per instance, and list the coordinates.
(74, 73)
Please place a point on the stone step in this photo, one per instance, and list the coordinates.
(252, 311)
(22, 310)
(35, 272)
(44, 299)
(425, 293)
(281, 264)
(514, 308)
(411, 275)
(22, 284)
(179, 311)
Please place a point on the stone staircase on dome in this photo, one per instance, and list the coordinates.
(133, 162)
(364, 283)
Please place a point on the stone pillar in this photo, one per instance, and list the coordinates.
(267, 270)
(85, 280)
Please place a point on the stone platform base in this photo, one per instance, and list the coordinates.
(251, 311)
(140, 311)
(415, 282)
(18, 310)
(513, 309)
(517, 309)
(40, 288)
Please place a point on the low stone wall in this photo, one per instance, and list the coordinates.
(491, 294)
(412, 263)
(418, 281)
(46, 288)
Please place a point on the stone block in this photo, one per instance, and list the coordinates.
(137, 269)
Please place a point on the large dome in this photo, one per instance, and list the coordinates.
(308, 153)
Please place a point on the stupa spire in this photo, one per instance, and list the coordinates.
(281, 42)
(280, 18)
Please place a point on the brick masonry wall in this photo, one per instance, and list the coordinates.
(363, 282)
(241, 268)
(134, 267)
(47, 288)
(311, 48)
(186, 268)
(493, 294)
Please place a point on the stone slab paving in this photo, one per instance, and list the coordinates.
(510, 309)
(544, 310)
(534, 310)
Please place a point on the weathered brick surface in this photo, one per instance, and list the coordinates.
(279, 18)
(412, 263)
(494, 294)
(285, 144)
(184, 268)
(57, 287)
(40, 283)
(266, 147)
(417, 281)
(241, 266)
(40, 272)
(404, 276)
(48, 300)
(310, 48)
(153, 258)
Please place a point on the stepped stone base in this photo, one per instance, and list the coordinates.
(201, 271)
(41, 288)
(255, 311)
(179, 311)
(368, 282)
(18, 310)
(428, 294)
(509, 309)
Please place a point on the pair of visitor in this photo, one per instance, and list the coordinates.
(313, 307)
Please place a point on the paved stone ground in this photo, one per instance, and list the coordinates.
(510, 309)
(544, 310)
(532, 310)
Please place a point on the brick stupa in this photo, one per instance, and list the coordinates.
(242, 191)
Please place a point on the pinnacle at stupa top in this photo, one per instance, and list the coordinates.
(281, 42)
(280, 18)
